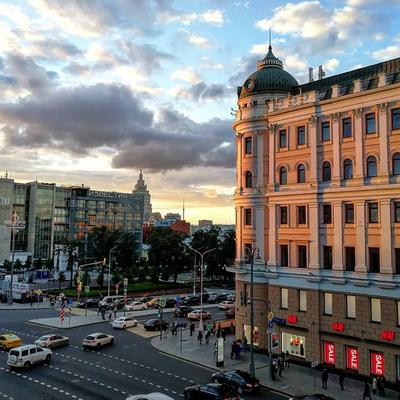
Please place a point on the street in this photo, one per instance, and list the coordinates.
(130, 366)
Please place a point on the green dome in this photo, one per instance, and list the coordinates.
(270, 77)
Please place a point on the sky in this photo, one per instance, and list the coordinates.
(92, 91)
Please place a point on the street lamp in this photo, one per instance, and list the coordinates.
(109, 270)
(201, 281)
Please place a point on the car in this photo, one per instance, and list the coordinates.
(230, 313)
(97, 340)
(155, 325)
(218, 298)
(195, 315)
(52, 340)
(231, 297)
(150, 396)
(124, 322)
(91, 303)
(224, 305)
(144, 299)
(135, 305)
(239, 380)
(109, 300)
(152, 303)
(169, 303)
(182, 311)
(316, 396)
(210, 391)
(27, 355)
(191, 300)
(9, 340)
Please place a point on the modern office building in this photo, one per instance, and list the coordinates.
(318, 204)
(53, 213)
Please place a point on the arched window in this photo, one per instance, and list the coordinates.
(371, 167)
(249, 179)
(347, 169)
(301, 174)
(326, 171)
(283, 176)
(396, 164)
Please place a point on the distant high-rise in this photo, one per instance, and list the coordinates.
(141, 190)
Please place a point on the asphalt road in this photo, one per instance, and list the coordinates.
(130, 366)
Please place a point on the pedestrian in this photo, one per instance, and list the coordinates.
(245, 345)
(324, 378)
(379, 385)
(280, 367)
(237, 351)
(287, 359)
(282, 357)
(367, 391)
(103, 312)
(31, 299)
(109, 314)
(341, 379)
(273, 370)
(192, 327)
(200, 337)
(219, 331)
(214, 328)
(383, 382)
(374, 384)
(207, 336)
(223, 334)
(233, 350)
(115, 308)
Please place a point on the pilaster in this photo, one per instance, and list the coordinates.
(239, 155)
(359, 144)
(259, 221)
(335, 118)
(312, 139)
(260, 158)
(387, 264)
(272, 261)
(361, 264)
(383, 142)
(338, 236)
(313, 219)
(271, 153)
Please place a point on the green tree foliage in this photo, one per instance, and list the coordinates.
(17, 264)
(7, 265)
(28, 263)
(125, 255)
(61, 279)
(38, 263)
(70, 249)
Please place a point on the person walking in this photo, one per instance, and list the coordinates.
(115, 310)
(200, 337)
(324, 378)
(192, 327)
(367, 392)
(374, 384)
(341, 379)
(280, 367)
(207, 336)
(379, 385)
(287, 359)
(103, 312)
(245, 344)
(233, 346)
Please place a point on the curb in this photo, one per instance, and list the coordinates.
(11, 308)
(272, 389)
(64, 327)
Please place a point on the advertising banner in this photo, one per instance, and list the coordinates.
(330, 352)
(352, 357)
(377, 363)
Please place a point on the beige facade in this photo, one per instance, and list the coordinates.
(318, 195)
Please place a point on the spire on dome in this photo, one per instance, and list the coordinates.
(270, 60)
(141, 175)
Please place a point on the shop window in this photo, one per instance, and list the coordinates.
(350, 258)
(284, 298)
(327, 257)
(327, 213)
(301, 135)
(301, 174)
(373, 214)
(283, 218)
(374, 259)
(396, 164)
(302, 300)
(396, 118)
(370, 123)
(247, 216)
(326, 171)
(283, 176)
(330, 353)
(371, 167)
(282, 139)
(248, 145)
(350, 306)
(346, 128)
(249, 180)
(347, 169)
(325, 131)
(256, 334)
(301, 215)
(284, 255)
(375, 305)
(328, 303)
(377, 363)
(302, 256)
(295, 345)
(352, 357)
(397, 211)
(349, 213)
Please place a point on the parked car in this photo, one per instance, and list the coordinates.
(152, 303)
(316, 396)
(155, 325)
(218, 298)
(169, 303)
(239, 380)
(27, 355)
(150, 396)
(124, 322)
(52, 340)
(97, 340)
(231, 297)
(91, 303)
(182, 311)
(210, 391)
(9, 340)
(191, 301)
(230, 313)
(144, 299)
(135, 305)
(224, 305)
(195, 315)
(108, 300)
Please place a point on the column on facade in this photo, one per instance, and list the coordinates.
(336, 148)
(359, 143)
(314, 236)
(338, 236)
(312, 140)
(239, 153)
(271, 156)
(383, 142)
(259, 220)
(387, 265)
(272, 235)
(260, 159)
(238, 233)
(361, 243)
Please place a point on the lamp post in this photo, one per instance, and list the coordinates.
(201, 281)
(109, 270)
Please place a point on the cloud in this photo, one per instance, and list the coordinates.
(212, 17)
(331, 65)
(187, 75)
(53, 49)
(203, 92)
(387, 53)
(199, 41)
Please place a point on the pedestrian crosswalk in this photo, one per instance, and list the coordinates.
(139, 330)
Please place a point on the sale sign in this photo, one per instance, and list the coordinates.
(377, 363)
(330, 353)
(352, 357)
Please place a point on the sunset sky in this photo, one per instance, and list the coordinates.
(94, 90)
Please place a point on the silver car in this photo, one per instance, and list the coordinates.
(52, 340)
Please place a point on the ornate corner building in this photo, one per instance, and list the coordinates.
(318, 198)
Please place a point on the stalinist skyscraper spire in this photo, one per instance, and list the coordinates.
(141, 190)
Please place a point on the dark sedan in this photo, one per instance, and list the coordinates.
(182, 311)
(91, 303)
(218, 298)
(191, 301)
(210, 391)
(238, 380)
(230, 313)
(155, 325)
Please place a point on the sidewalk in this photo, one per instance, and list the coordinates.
(25, 306)
(295, 379)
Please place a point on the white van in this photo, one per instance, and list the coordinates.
(108, 300)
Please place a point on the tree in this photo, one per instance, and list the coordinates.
(70, 249)
(38, 263)
(17, 264)
(7, 265)
(227, 249)
(61, 279)
(28, 263)
(125, 254)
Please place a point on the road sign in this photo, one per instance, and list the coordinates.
(270, 326)
(270, 316)
(178, 301)
(314, 364)
(274, 341)
(87, 289)
(162, 302)
(125, 282)
(38, 292)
